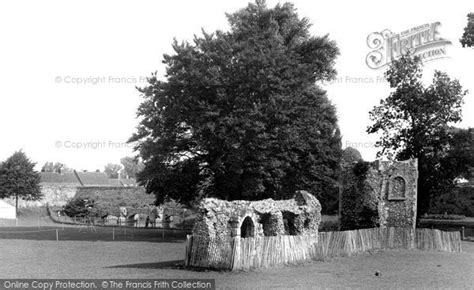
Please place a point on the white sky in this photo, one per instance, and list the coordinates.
(46, 45)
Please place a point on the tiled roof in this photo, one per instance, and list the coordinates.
(53, 177)
(114, 182)
(95, 179)
(81, 179)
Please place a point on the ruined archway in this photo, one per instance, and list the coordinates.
(247, 229)
(289, 223)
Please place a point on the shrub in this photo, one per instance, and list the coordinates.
(444, 216)
(459, 201)
(80, 207)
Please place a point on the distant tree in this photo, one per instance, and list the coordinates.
(460, 156)
(351, 155)
(19, 179)
(48, 167)
(131, 166)
(460, 163)
(415, 122)
(468, 36)
(112, 170)
(241, 116)
(56, 167)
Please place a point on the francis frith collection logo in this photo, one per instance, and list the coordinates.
(423, 41)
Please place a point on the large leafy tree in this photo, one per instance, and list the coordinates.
(19, 179)
(415, 122)
(240, 115)
(468, 35)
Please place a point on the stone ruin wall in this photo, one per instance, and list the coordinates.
(224, 219)
(399, 191)
(53, 195)
(392, 187)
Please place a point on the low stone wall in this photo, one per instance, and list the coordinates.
(58, 194)
(54, 194)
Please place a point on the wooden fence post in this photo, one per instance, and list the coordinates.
(236, 254)
(187, 251)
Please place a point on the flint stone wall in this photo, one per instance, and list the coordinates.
(399, 191)
(225, 219)
(54, 194)
(391, 188)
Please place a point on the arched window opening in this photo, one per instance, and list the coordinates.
(267, 224)
(247, 229)
(289, 223)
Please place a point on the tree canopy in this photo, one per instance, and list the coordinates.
(18, 178)
(350, 156)
(416, 122)
(131, 166)
(80, 207)
(112, 170)
(56, 167)
(240, 115)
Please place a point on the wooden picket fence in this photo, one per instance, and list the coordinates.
(209, 253)
(247, 253)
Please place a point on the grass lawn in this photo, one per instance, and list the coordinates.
(142, 253)
(22, 258)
